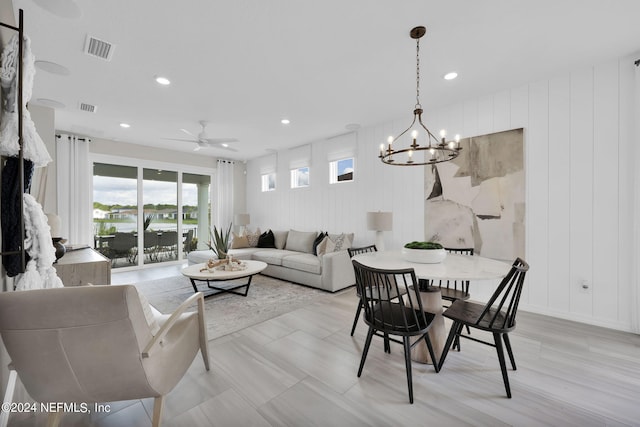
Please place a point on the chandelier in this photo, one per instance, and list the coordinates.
(434, 150)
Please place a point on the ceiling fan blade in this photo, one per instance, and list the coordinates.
(189, 133)
(219, 140)
(180, 139)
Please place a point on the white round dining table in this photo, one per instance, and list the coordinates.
(454, 266)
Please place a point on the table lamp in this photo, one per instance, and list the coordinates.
(242, 220)
(379, 221)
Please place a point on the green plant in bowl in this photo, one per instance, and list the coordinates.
(423, 245)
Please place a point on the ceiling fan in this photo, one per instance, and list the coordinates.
(205, 142)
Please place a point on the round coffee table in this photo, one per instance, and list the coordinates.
(194, 274)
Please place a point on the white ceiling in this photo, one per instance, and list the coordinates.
(245, 64)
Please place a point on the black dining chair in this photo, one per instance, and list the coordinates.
(497, 316)
(452, 290)
(352, 252)
(388, 316)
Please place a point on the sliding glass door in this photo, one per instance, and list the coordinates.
(115, 212)
(148, 215)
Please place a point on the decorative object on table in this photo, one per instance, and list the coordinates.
(424, 252)
(478, 200)
(219, 242)
(227, 264)
(379, 222)
(39, 272)
(435, 150)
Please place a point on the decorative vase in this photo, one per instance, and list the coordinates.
(60, 249)
(424, 256)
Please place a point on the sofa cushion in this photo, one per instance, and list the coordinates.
(267, 240)
(303, 262)
(301, 241)
(280, 238)
(273, 256)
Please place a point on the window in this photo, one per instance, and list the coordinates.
(268, 182)
(341, 170)
(300, 177)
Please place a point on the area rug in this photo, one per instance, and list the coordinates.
(228, 313)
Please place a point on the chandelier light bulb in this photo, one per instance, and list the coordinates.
(443, 133)
(390, 140)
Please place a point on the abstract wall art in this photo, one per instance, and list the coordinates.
(478, 199)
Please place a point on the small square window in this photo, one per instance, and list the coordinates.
(300, 177)
(268, 182)
(341, 170)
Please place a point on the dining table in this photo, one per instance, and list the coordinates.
(453, 267)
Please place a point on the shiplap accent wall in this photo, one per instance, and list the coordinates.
(579, 137)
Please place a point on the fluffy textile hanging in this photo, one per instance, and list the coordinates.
(38, 244)
(32, 145)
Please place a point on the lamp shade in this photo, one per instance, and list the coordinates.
(241, 219)
(379, 221)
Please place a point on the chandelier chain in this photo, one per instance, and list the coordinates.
(418, 74)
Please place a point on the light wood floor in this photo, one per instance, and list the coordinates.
(300, 370)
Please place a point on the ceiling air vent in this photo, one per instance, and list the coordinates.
(88, 107)
(98, 48)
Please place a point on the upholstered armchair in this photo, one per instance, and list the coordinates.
(95, 344)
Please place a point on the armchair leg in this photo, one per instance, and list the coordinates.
(8, 396)
(158, 406)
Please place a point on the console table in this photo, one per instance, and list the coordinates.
(84, 266)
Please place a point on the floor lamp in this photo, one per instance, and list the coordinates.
(379, 222)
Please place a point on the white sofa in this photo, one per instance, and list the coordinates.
(293, 260)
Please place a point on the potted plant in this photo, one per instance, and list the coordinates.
(424, 252)
(219, 242)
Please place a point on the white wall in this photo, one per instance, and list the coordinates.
(579, 135)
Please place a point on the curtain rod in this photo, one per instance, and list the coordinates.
(69, 136)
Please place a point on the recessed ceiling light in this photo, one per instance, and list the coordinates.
(53, 68)
(163, 80)
(450, 76)
(285, 121)
(125, 125)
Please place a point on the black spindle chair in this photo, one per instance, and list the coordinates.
(497, 316)
(387, 315)
(352, 253)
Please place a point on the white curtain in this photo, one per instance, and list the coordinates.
(75, 206)
(224, 194)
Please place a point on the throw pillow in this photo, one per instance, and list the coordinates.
(239, 242)
(347, 243)
(316, 242)
(280, 238)
(267, 240)
(252, 238)
(300, 241)
(326, 246)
